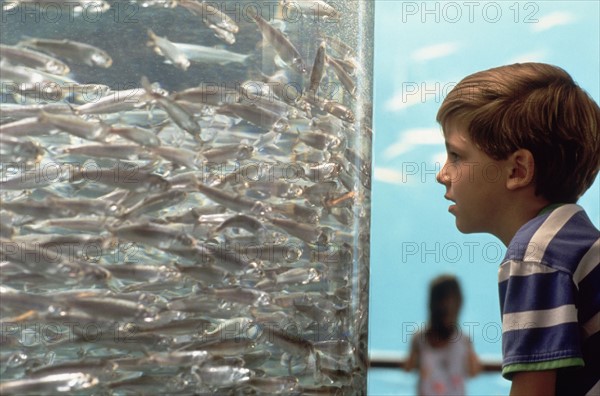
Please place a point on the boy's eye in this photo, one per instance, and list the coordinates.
(452, 156)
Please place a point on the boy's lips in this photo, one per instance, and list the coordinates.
(451, 207)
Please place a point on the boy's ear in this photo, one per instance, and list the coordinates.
(521, 169)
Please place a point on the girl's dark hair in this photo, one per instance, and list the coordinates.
(440, 289)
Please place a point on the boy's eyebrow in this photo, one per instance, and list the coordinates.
(450, 146)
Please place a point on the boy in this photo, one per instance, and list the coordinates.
(523, 145)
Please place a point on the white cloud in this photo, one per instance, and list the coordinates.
(439, 158)
(411, 93)
(403, 100)
(551, 20)
(388, 175)
(534, 56)
(434, 51)
(411, 138)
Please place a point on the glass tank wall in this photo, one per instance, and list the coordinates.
(185, 196)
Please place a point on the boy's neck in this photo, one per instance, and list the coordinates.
(518, 216)
(549, 208)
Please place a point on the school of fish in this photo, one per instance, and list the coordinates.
(206, 239)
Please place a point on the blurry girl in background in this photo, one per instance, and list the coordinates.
(441, 352)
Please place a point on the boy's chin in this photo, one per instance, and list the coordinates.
(467, 228)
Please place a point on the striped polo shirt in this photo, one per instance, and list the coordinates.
(549, 284)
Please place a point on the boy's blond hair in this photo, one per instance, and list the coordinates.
(537, 107)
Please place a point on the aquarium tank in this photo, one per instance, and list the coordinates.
(185, 196)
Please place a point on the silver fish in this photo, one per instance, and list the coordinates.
(122, 175)
(223, 153)
(153, 234)
(81, 224)
(248, 223)
(315, 9)
(298, 275)
(16, 111)
(226, 347)
(207, 275)
(138, 135)
(212, 95)
(223, 34)
(334, 108)
(49, 384)
(276, 253)
(256, 115)
(318, 68)
(37, 178)
(164, 47)
(77, 6)
(342, 75)
(285, 49)
(19, 150)
(176, 327)
(202, 54)
(275, 385)
(111, 308)
(143, 273)
(277, 188)
(339, 46)
(181, 117)
(298, 212)
(71, 50)
(27, 75)
(237, 327)
(75, 125)
(52, 207)
(174, 358)
(155, 202)
(288, 341)
(233, 202)
(115, 101)
(100, 368)
(179, 156)
(221, 376)
(117, 151)
(320, 141)
(241, 295)
(307, 233)
(211, 15)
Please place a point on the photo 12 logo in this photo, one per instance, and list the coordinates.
(469, 11)
(69, 11)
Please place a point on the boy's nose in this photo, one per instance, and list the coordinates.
(441, 176)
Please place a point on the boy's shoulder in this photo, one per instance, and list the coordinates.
(559, 239)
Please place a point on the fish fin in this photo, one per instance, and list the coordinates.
(42, 117)
(279, 62)
(24, 40)
(147, 86)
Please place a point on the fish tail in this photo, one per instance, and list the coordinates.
(147, 87)
(152, 38)
(252, 13)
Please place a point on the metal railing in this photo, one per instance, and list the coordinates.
(383, 362)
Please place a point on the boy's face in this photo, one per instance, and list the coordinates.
(474, 182)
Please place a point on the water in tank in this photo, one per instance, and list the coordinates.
(185, 196)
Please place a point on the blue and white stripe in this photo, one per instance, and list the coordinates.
(549, 285)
